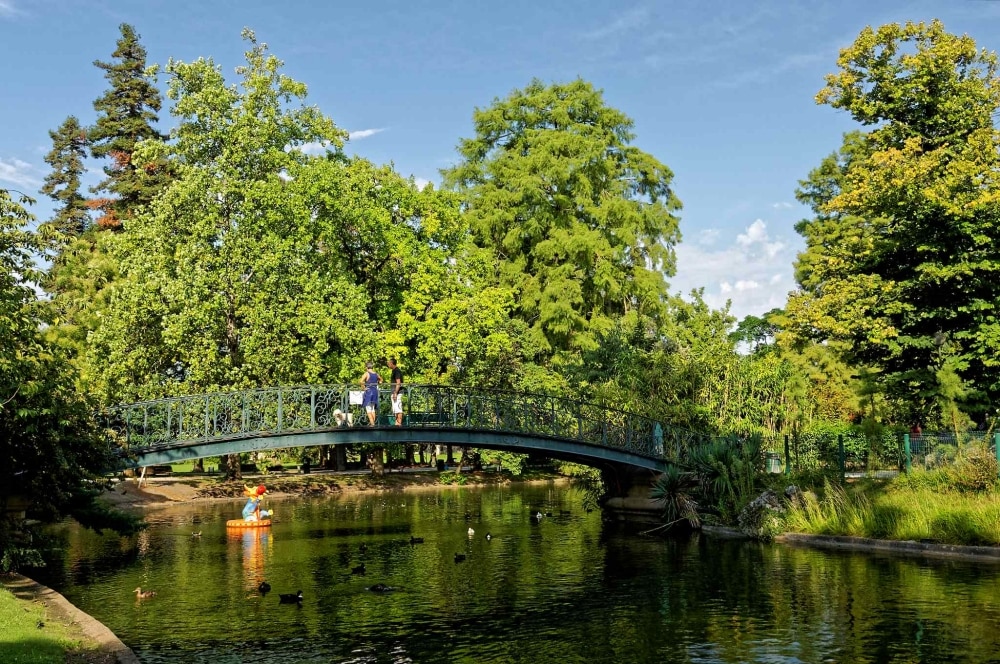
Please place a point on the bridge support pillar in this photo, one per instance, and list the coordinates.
(627, 499)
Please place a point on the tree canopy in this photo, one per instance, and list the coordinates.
(126, 115)
(581, 222)
(901, 263)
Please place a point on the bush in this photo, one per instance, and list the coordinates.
(449, 477)
(764, 517)
(975, 471)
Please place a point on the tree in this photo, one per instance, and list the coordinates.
(126, 115)
(262, 264)
(757, 332)
(581, 222)
(51, 451)
(902, 248)
(69, 148)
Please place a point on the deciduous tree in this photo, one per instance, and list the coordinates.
(582, 222)
(901, 255)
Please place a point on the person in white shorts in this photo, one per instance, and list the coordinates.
(397, 391)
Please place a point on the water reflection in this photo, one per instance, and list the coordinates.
(565, 588)
(254, 549)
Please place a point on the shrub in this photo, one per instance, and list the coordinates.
(449, 477)
(673, 489)
(764, 517)
(975, 471)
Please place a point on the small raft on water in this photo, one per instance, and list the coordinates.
(240, 523)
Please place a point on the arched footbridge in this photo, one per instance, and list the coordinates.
(207, 425)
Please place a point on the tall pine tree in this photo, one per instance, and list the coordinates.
(69, 147)
(126, 115)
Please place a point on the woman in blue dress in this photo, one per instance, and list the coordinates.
(370, 380)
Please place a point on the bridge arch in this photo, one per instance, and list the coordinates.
(204, 425)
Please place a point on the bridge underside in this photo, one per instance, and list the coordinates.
(567, 450)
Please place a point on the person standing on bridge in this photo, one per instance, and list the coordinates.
(396, 379)
(370, 381)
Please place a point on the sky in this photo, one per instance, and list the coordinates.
(722, 92)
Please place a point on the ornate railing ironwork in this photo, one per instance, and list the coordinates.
(190, 420)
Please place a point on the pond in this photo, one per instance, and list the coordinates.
(565, 588)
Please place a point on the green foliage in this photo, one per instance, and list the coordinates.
(52, 453)
(899, 268)
(763, 518)
(901, 512)
(757, 332)
(726, 472)
(69, 148)
(673, 489)
(581, 222)
(511, 462)
(975, 470)
(126, 115)
(450, 477)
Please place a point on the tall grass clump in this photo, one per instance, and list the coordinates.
(921, 506)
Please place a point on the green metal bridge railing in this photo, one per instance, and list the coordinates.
(190, 420)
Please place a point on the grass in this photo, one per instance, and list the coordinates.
(897, 512)
(23, 640)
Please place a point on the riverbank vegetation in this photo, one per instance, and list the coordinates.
(245, 247)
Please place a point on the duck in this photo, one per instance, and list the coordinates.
(539, 516)
(459, 557)
(360, 569)
(144, 594)
(264, 588)
(380, 588)
(471, 532)
(416, 540)
(196, 535)
(488, 537)
(290, 598)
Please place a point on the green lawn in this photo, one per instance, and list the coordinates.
(23, 640)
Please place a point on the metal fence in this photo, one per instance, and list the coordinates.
(855, 454)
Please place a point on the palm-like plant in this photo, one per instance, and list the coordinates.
(673, 490)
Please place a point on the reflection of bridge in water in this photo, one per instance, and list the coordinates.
(207, 425)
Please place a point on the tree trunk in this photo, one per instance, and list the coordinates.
(231, 463)
(409, 455)
(420, 449)
(449, 459)
(199, 466)
(378, 462)
(340, 457)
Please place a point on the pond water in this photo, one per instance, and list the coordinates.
(566, 589)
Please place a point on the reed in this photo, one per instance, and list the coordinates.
(898, 512)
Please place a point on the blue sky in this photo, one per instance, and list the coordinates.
(722, 92)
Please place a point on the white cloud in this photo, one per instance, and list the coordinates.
(756, 240)
(753, 270)
(18, 172)
(421, 183)
(363, 133)
(782, 205)
(316, 147)
(7, 8)
(708, 236)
